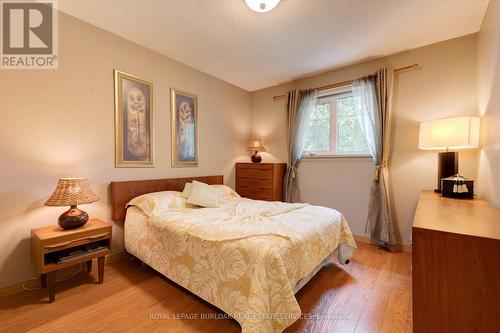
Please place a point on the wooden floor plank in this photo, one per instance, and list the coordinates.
(371, 294)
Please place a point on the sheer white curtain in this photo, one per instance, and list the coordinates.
(372, 104)
(298, 115)
(366, 108)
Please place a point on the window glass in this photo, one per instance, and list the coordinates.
(334, 127)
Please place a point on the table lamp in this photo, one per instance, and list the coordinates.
(449, 134)
(72, 192)
(257, 146)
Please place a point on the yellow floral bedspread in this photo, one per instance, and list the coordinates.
(244, 257)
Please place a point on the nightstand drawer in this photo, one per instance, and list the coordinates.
(62, 243)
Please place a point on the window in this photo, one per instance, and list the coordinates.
(334, 128)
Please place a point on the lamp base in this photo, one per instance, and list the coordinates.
(256, 158)
(447, 166)
(73, 218)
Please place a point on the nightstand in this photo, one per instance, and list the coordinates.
(54, 248)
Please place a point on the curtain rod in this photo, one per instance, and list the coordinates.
(348, 82)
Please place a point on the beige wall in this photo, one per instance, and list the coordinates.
(445, 86)
(59, 123)
(489, 103)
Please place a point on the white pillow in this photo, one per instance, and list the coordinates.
(226, 192)
(187, 189)
(203, 195)
(156, 203)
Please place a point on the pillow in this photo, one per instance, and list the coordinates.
(203, 195)
(226, 192)
(156, 203)
(187, 189)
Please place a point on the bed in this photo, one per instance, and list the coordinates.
(246, 257)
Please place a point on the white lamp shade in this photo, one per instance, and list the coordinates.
(256, 145)
(262, 6)
(451, 133)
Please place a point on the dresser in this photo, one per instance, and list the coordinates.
(455, 265)
(260, 181)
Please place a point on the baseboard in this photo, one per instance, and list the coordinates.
(35, 282)
(361, 239)
(14, 289)
(366, 240)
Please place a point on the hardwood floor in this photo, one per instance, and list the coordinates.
(371, 294)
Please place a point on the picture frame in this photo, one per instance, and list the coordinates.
(184, 129)
(134, 145)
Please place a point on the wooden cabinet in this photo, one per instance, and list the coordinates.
(455, 265)
(260, 181)
(53, 248)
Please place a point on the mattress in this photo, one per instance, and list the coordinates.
(248, 258)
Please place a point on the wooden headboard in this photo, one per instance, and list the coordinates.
(122, 192)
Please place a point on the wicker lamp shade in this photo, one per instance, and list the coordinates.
(72, 192)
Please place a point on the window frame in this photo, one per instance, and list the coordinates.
(338, 92)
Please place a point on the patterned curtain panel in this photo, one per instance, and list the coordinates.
(299, 105)
(372, 102)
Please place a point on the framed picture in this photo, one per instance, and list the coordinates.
(133, 121)
(184, 122)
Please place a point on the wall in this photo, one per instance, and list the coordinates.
(489, 103)
(59, 123)
(445, 86)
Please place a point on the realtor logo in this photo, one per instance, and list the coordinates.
(29, 34)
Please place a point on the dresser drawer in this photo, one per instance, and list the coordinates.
(254, 173)
(254, 166)
(252, 191)
(256, 194)
(257, 183)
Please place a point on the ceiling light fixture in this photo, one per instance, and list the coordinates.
(262, 6)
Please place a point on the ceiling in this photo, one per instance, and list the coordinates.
(256, 50)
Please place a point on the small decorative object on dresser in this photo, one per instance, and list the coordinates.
(263, 181)
(457, 187)
(72, 192)
(53, 249)
(256, 146)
